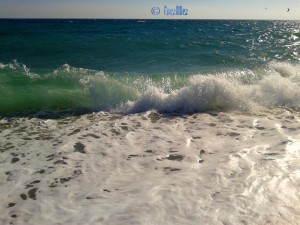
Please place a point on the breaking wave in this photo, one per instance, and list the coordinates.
(83, 90)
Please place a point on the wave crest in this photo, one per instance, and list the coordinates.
(69, 88)
(201, 94)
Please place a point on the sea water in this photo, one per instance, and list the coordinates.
(153, 122)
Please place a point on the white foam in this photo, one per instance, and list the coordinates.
(202, 93)
(283, 68)
(280, 86)
(151, 169)
(276, 90)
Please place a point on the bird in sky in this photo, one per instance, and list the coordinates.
(288, 10)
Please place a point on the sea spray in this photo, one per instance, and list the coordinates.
(201, 94)
(74, 89)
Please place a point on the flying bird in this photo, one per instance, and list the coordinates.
(288, 10)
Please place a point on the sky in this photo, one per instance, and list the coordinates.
(141, 9)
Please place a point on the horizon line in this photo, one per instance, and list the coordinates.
(63, 18)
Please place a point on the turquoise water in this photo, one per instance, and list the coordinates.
(92, 65)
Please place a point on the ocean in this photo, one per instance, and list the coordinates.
(149, 122)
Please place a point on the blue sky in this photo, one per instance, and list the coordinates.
(197, 9)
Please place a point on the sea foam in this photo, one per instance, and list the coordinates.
(68, 88)
(201, 94)
(278, 87)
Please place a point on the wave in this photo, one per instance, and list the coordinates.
(82, 90)
(65, 89)
(277, 85)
